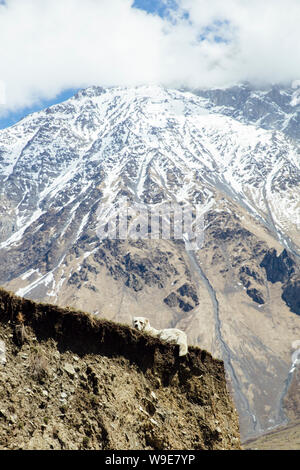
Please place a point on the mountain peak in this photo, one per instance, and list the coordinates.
(233, 154)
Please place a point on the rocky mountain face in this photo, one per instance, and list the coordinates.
(73, 382)
(233, 154)
(275, 108)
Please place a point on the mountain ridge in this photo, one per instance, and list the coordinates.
(152, 145)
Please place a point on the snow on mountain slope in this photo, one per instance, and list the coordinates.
(118, 135)
(275, 107)
(234, 151)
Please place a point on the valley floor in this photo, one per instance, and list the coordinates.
(282, 438)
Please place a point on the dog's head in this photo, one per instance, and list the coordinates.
(140, 323)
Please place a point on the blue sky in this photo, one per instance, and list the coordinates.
(155, 6)
(12, 118)
(151, 6)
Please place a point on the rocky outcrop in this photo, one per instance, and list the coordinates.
(291, 294)
(80, 383)
(256, 295)
(136, 270)
(247, 277)
(185, 298)
(278, 268)
(282, 269)
(266, 108)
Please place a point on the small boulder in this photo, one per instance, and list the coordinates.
(2, 353)
(70, 370)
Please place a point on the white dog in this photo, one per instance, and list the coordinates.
(171, 335)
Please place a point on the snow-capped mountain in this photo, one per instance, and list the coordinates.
(275, 108)
(233, 151)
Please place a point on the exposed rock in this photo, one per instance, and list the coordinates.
(278, 268)
(174, 300)
(256, 295)
(69, 369)
(282, 269)
(247, 271)
(291, 294)
(2, 353)
(187, 290)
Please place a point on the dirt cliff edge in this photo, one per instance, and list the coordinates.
(71, 381)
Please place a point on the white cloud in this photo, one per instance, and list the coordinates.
(263, 37)
(50, 45)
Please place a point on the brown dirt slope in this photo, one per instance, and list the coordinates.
(75, 382)
(282, 438)
(291, 401)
